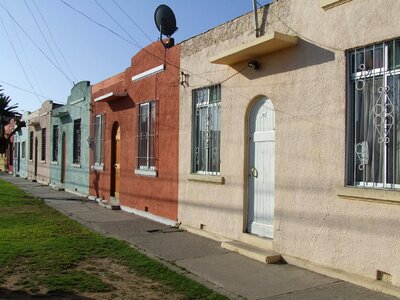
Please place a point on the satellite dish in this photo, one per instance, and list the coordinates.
(166, 23)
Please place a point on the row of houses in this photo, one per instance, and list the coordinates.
(283, 137)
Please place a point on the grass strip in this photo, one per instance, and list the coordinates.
(49, 246)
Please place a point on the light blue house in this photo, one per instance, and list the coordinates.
(69, 142)
(21, 146)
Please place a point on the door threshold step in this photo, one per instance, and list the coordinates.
(253, 252)
(109, 205)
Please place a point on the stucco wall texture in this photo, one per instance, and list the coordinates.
(307, 85)
(39, 120)
(78, 107)
(21, 136)
(158, 195)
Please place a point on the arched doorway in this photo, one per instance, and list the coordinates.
(261, 169)
(115, 160)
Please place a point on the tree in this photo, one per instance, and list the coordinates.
(7, 112)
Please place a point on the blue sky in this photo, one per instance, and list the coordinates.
(88, 52)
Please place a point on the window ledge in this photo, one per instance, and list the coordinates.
(141, 172)
(98, 167)
(327, 4)
(42, 161)
(370, 195)
(76, 165)
(216, 179)
(54, 162)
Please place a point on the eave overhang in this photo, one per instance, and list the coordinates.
(266, 44)
(61, 113)
(111, 96)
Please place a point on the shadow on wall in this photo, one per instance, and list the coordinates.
(303, 55)
(121, 104)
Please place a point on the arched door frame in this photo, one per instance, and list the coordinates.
(246, 145)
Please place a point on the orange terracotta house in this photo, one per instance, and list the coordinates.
(134, 136)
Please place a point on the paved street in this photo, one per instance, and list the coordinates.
(202, 259)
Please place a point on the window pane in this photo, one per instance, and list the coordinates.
(206, 130)
(43, 156)
(373, 112)
(146, 136)
(394, 55)
(77, 142)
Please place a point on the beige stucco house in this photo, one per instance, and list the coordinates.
(289, 142)
(38, 151)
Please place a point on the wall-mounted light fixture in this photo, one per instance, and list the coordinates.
(254, 65)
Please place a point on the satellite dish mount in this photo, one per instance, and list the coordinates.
(166, 24)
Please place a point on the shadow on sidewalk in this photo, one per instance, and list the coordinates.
(18, 294)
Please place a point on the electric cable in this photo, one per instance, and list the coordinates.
(41, 32)
(19, 60)
(119, 25)
(35, 44)
(133, 22)
(22, 89)
(54, 42)
(25, 55)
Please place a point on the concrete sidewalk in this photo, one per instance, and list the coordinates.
(199, 258)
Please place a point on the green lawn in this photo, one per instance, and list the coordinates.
(46, 249)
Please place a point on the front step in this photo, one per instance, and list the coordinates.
(113, 204)
(253, 252)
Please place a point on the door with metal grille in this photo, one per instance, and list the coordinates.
(261, 184)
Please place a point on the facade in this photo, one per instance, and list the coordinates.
(9, 155)
(135, 122)
(21, 139)
(69, 141)
(39, 123)
(290, 138)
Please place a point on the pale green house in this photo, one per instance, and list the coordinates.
(70, 140)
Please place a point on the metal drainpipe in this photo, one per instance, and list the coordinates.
(256, 18)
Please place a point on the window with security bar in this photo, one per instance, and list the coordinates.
(206, 137)
(55, 143)
(43, 156)
(31, 145)
(98, 139)
(373, 120)
(76, 158)
(23, 150)
(146, 136)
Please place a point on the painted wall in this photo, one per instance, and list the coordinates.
(155, 195)
(307, 85)
(77, 107)
(9, 162)
(38, 120)
(20, 137)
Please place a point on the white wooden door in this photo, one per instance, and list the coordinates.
(261, 170)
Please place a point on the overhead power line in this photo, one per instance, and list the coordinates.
(25, 90)
(43, 36)
(36, 45)
(52, 38)
(19, 60)
(22, 46)
(133, 22)
(119, 25)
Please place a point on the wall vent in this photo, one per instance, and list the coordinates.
(383, 276)
(202, 226)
